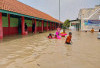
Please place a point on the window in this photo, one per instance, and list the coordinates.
(4, 14)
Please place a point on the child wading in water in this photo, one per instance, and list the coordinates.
(55, 37)
(50, 36)
(68, 39)
(92, 30)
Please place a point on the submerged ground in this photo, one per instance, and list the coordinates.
(37, 51)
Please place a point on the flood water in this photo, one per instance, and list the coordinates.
(37, 51)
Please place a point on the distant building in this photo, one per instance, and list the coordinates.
(90, 18)
(75, 24)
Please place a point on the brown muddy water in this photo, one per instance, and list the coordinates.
(37, 51)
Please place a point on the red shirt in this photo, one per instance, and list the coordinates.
(49, 36)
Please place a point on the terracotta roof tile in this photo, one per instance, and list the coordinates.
(18, 7)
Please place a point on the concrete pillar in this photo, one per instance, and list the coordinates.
(1, 27)
(47, 25)
(35, 26)
(42, 25)
(23, 26)
(8, 23)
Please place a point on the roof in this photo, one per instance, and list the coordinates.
(21, 8)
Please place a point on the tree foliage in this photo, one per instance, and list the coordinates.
(66, 24)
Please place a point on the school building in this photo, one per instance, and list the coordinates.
(90, 18)
(14, 15)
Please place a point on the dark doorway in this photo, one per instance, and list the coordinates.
(19, 26)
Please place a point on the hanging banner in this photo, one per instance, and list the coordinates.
(94, 22)
(89, 24)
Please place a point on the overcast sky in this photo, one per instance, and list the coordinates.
(69, 8)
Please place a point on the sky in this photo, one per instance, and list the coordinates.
(69, 8)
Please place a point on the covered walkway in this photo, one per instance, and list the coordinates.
(14, 15)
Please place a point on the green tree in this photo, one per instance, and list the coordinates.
(66, 24)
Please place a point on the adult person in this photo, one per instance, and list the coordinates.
(33, 27)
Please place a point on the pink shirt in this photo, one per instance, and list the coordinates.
(58, 29)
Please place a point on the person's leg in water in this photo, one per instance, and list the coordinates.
(68, 43)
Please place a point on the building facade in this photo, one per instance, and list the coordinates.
(14, 15)
(90, 18)
(75, 24)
